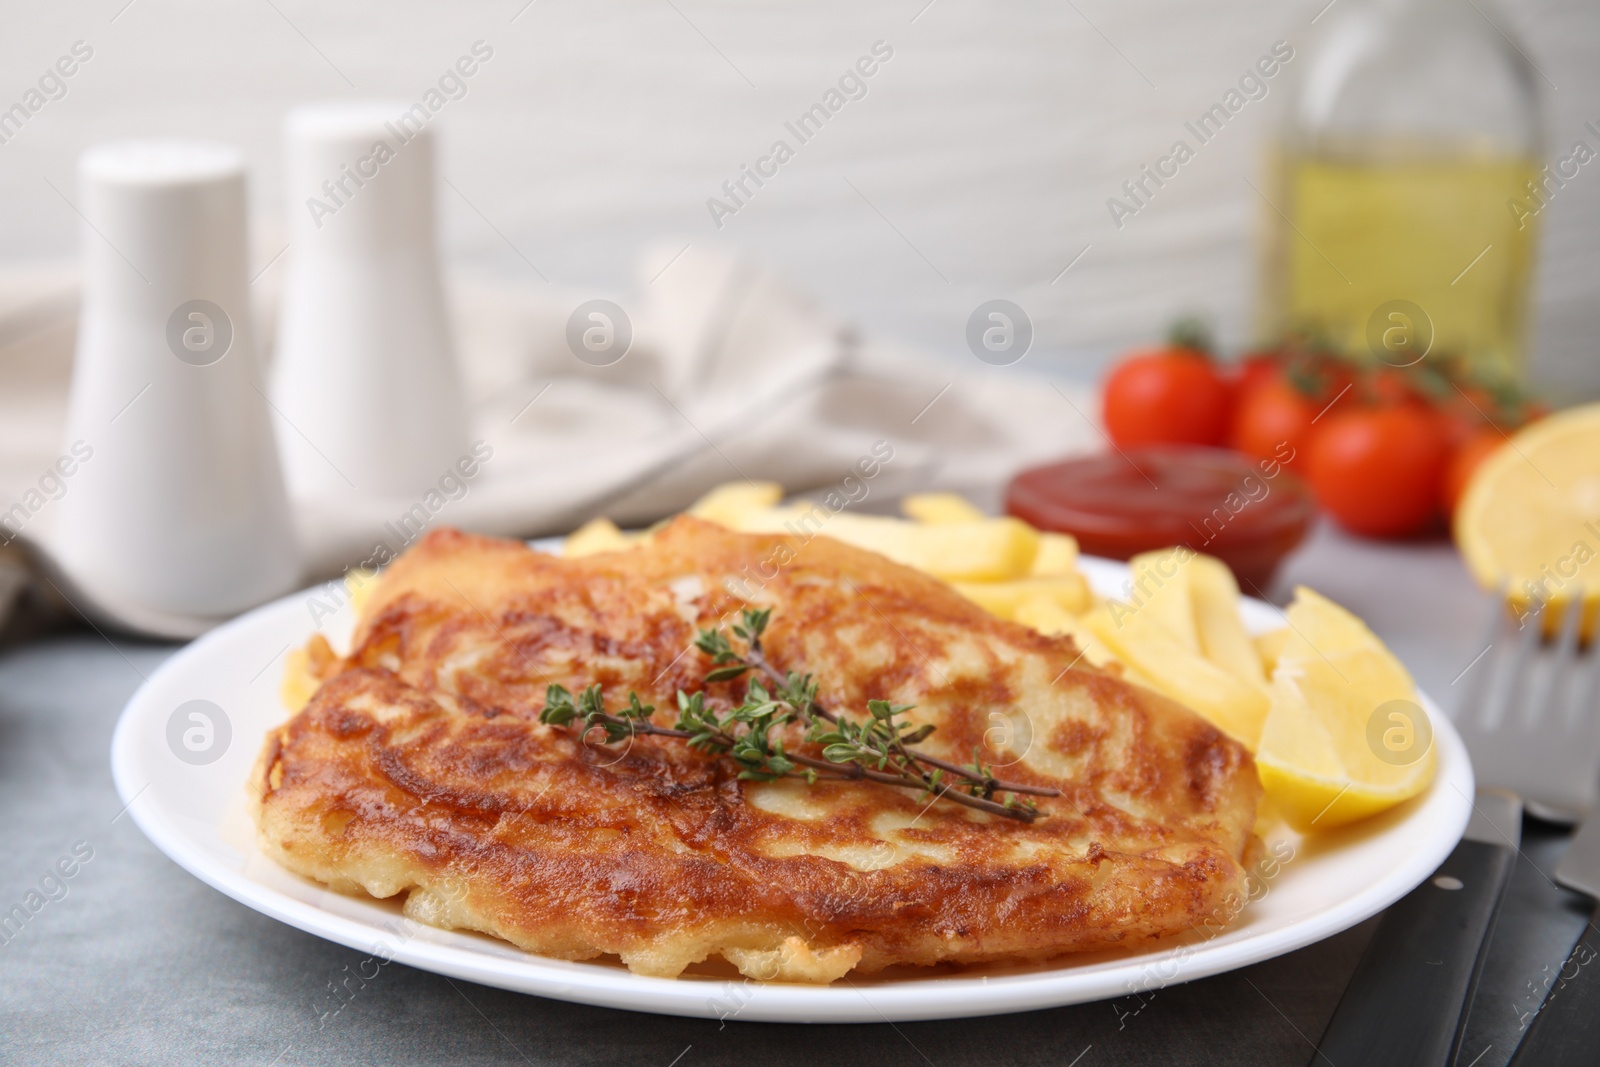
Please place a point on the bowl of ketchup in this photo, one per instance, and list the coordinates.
(1248, 513)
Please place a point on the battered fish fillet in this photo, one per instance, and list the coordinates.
(420, 767)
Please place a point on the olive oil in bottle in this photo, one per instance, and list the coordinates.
(1392, 227)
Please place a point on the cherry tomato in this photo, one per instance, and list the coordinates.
(1459, 426)
(1166, 396)
(1389, 386)
(1274, 421)
(1466, 458)
(1379, 471)
(1251, 373)
(1255, 371)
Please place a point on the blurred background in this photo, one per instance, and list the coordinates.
(978, 165)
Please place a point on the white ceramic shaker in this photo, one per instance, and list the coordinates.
(179, 507)
(364, 374)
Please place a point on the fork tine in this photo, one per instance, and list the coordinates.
(1586, 693)
(1532, 721)
(1554, 681)
(1470, 708)
(1527, 642)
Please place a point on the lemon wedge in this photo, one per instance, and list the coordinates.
(1345, 736)
(1530, 517)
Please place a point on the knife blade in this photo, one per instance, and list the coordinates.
(1567, 1028)
(1405, 1002)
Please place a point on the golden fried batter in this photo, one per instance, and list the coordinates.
(420, 767)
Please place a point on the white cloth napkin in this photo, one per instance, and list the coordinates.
(732, 374)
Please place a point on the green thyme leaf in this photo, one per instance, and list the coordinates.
(714, 643)
(557, 716)
(558, 709)
(751, 733)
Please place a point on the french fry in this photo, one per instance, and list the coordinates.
(596, 535)
(1049, 618)
(360, 583)
(304, 670)
(728, 502)
(1270, 646)
(1223, 638)
(1070, 592)
(989, 550)
(299, 683)
(1161, 591)
(940, 508)
(1137, 638)
(1058, 555)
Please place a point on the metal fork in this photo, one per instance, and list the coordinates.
(1529, 714)
(1528, 718)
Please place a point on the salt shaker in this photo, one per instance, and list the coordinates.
(179, 504)
(364, 374)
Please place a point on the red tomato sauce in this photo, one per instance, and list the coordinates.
(1248, 513)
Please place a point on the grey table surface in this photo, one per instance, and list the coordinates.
(133, 961)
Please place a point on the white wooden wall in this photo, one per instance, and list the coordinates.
(978, 164)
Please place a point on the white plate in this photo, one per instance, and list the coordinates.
(194, 813)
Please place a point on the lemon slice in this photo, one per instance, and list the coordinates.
(1345, 737)
(1530, 517)
(1325, 626)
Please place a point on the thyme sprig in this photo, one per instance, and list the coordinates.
(876, 749)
